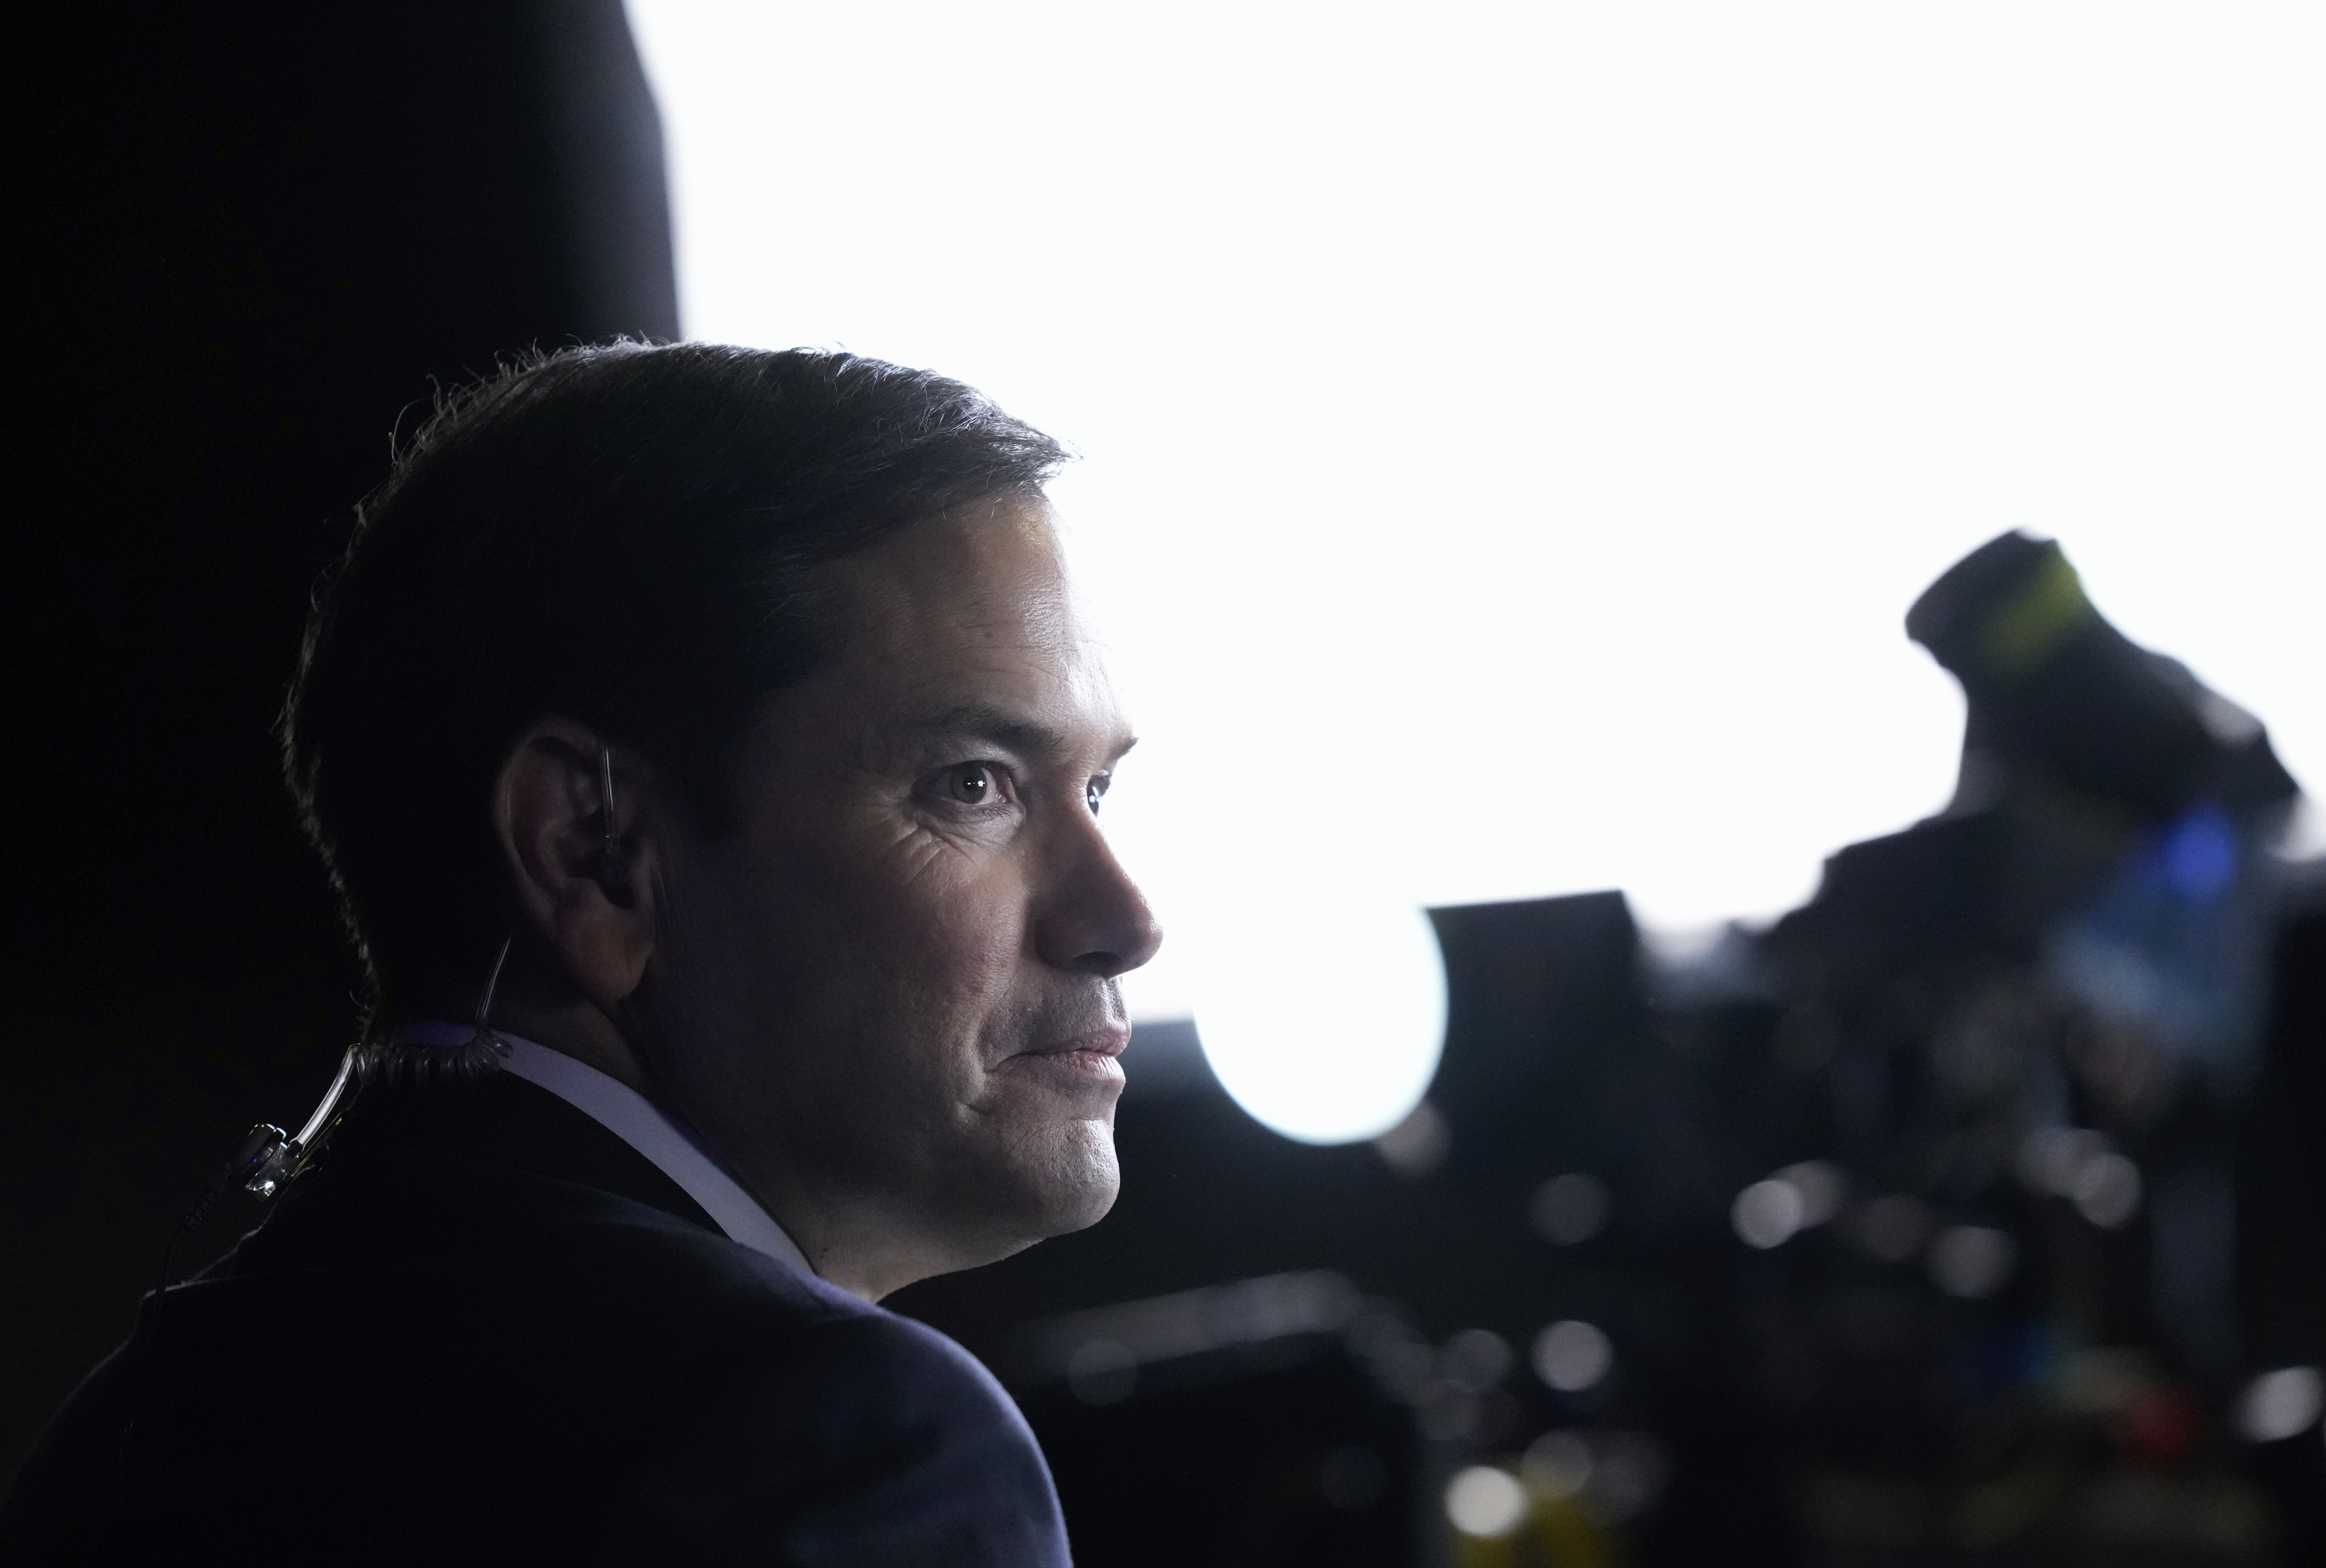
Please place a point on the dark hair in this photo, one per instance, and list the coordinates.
(627, 536)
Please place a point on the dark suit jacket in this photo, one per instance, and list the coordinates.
(484, 1328)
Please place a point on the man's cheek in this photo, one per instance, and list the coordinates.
(971, 951)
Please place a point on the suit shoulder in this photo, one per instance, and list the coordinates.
(861, 1438)
(906, 1361)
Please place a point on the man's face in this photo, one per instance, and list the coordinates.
(890, 998)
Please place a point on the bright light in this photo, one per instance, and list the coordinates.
(2280, 1404)
(1485, 1501)
(1321, 1012)
(1573, 1356)
(1767, 1213)
(1515, 433)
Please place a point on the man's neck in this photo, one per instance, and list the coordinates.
(864, 1255)
(582, 1031)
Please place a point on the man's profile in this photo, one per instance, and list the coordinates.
(708, 758)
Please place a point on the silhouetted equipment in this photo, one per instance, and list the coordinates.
(2056, 692)
(1261, 1405)
(2034, 1019)
(1543, 1004)
(2281, 1213)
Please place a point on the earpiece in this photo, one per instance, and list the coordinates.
(613, 863)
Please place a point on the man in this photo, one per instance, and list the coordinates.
(708, 758)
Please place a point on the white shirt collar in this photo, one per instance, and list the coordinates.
(636, 1120)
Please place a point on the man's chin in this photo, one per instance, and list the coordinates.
(1078, 1186)
(1060, 1182)
(1050, 1181)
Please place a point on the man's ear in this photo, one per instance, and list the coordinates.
(583, 864)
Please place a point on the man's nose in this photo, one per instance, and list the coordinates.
(1094, 920)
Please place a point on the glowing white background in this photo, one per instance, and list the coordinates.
(1513, 433)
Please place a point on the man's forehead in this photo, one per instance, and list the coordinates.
(965, 625)
(991, 575)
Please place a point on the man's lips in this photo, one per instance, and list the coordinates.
(1107, 1043)
(1090, 1054)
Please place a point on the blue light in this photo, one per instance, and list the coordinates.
(2200, 855)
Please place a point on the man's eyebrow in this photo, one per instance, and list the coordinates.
(1012, 731)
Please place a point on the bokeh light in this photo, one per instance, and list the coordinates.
(1571, 1209)
(1767, 1213)
(2282, 1404)
(1972, 1260)
(1485, 1501)
(1572, 1356)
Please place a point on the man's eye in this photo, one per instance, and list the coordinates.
(972, 783)
(1096, 791)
